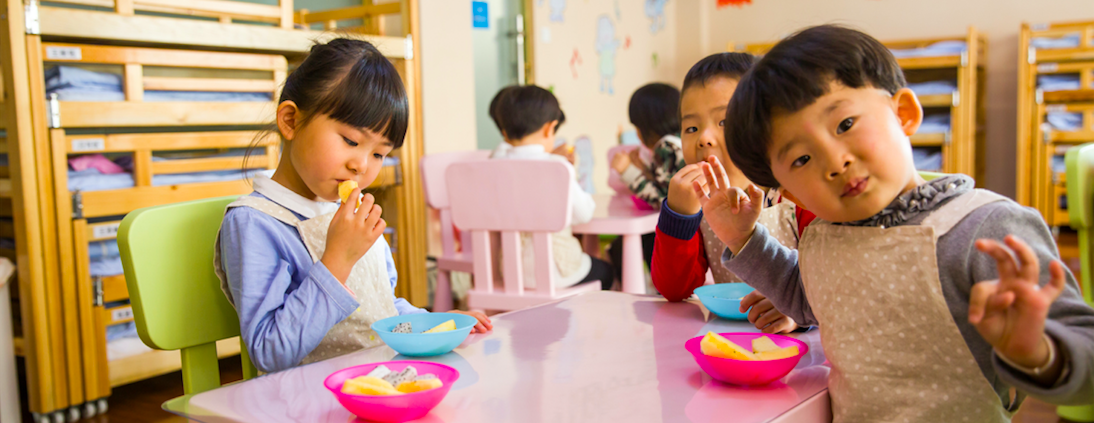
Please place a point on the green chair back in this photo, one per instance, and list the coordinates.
(167, 254)
(1080, 211)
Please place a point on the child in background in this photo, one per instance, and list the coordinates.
(308, 276)
(933, 299)
(528, 117)
(655, 111)
(685, 247)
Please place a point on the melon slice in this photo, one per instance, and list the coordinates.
(443, 327)
(716, 345)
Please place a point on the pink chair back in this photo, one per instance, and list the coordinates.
(511, 196)
(433, 168)
(614, 180)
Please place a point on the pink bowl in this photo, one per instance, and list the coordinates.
(392, 408)
(742, 372)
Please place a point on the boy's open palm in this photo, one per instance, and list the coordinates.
(351, 234)
(731, 212)
(1010, 312)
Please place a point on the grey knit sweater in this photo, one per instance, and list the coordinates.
(773, 270)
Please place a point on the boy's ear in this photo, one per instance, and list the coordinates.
(908, 110)
(287, 117)
(787, 195)
(548, 129)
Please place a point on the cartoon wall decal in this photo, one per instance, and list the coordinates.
(655, 10)
(575, 60)
(606, 46)
(557, 7)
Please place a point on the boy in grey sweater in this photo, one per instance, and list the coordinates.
(917, 324)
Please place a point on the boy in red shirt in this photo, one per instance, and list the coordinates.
(685, 246)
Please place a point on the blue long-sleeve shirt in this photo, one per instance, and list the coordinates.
(286, 303)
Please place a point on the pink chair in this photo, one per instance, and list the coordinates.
(512, 196)
(436, 196)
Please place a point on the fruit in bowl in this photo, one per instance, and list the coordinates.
(767, 359)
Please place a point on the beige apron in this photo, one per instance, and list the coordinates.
(368, 280)
(780, 223)
(896, 353)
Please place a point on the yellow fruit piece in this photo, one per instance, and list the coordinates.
(716, 345)
(419, 385)
(780, 353)
(345, 188)
(443, 327)
(763, 344)
(369, 385)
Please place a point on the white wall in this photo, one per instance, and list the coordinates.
(999, 20)
(448, 89)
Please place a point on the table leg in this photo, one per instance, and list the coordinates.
(634, 280)
(591, 244)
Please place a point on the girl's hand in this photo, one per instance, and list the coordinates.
(682, 199)
(636, 160)
(620, 162)
(351, 234)
(1010, 312)
(765, 316)
(484, 324)
(731, 211)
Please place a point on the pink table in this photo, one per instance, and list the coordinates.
(601, 356)
(617, 215)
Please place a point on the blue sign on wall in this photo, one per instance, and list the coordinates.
(480, 15)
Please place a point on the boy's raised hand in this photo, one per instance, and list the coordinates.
(1010, 312)
(682, 198)
(731, 212)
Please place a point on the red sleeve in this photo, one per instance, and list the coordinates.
(678, 266)
(804, 217)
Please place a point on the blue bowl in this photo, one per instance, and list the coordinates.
(724, 299)
(420, 344)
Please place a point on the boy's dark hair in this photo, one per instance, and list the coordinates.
(655, 111)
(519, 110)
(728, 65)
(353, 83)
(793, 75)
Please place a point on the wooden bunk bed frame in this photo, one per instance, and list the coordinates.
(59, 375)
(960, 145)
(1038, 185)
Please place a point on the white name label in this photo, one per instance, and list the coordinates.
(1048, 67)
(121, 314)
(64, 53)
(105, 231)
(88, 144)
(1039, 27)
(1056, 108)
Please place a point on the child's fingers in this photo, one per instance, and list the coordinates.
(751, 299)
(378, 229)
(708, 172)
(978, 299)
(758, 310)
(767, 318)
(1056, 282)
(370, 216)
(782, 325)
(1004, 261)
(755, 194)
(700, 192)
(719, 172)
(1029, 267)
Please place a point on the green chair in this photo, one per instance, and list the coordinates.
(167, 254)
(1080, 210)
